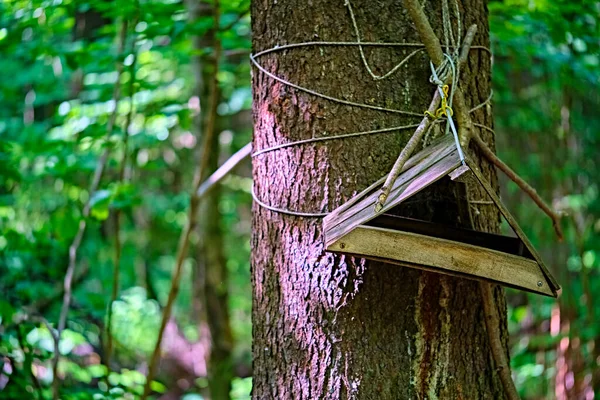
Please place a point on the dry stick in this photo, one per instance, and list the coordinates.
(492, 322)
(407, 152)
(428, 36)
(493, 158)
(432, 44)
(224, 170)
(100, 165)
(117, 216)
(421, 129)
(209, 136)
(434, 50)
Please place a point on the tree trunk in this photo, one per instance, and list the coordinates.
(333, 327)
(211, 280)
(215, 291)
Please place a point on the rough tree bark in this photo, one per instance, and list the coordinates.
(335, 327)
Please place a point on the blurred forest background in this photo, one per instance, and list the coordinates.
(136, 85)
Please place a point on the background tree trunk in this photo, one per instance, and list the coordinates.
(215, 293)
(332, 327)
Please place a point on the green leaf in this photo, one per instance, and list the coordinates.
(99, 203)
(6, 312)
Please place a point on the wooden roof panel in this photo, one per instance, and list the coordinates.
(436, 150)
(413, 181)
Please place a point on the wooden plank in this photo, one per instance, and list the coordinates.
(224, 170)
(514, 225)
(505, 244)
(412, 183)
(461, 174)
(368, 203)
(333, 217)
(438, 147)
(431, 153)
(444, 256)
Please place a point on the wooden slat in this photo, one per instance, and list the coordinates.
(461, 174)
(555, 287)
(422, 165)
(333, 217)
(444, 256)
(505, 244)
(413, 181)
(439, 147)
(366, 207)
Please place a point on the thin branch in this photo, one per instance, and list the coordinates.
(493, 158)
(236, 52)
(224, 170)
(118, 245)
(406, 153)
(100, 165)
(432, 45)
(581, 226)
(435, 52)
(492, 322)
(421, 129)
(466, 45)
(428, 36)
(202, 167)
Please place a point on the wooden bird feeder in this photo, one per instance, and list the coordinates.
(356, 229)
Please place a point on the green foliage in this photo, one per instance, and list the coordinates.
(546, 97)
(61, 59)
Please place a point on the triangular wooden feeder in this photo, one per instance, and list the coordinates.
(356, 229)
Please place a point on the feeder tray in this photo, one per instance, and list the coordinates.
(356, 229)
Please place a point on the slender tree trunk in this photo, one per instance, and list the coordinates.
(332, 327)
(216, 293)
(211, 281)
